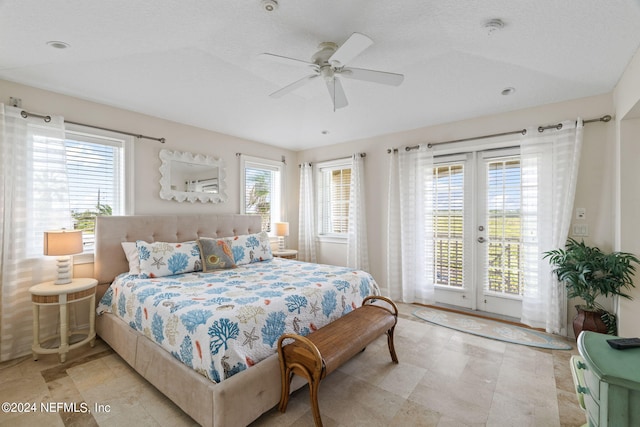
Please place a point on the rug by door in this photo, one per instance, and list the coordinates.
(491, 329)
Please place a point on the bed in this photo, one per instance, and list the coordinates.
(227, 385)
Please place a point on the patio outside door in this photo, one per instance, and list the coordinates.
(477, 222)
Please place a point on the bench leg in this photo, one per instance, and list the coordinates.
(286, 384)
(314, 384)
(392, 348)
(313, 391)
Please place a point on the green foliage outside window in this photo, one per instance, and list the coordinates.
(258, 198)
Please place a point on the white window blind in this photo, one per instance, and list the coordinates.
(262, 195)
(333, 196)
(96, 176)
(42, 200)
(448, 216)
(504, 274)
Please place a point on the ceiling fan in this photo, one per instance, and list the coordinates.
(330, 63)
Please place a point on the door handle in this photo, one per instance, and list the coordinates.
(481, 239)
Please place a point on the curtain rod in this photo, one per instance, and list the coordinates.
(47, 119)
(558, 126)
(331, 160)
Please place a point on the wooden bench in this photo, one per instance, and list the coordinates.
(323, 351)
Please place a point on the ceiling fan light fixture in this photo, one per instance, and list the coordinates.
(327, 73)
(269, 5)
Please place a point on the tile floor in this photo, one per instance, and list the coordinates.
(445, 378)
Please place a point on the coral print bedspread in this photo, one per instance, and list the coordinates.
(223, 322)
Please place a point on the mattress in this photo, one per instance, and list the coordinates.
(224, 322)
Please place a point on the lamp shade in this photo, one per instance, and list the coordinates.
(282, 228)
(63, 242)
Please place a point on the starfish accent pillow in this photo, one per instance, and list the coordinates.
(160, 259)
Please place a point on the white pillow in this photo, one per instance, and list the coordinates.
(131, 252)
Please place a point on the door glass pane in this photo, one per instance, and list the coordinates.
(448, 216)
(504, 269)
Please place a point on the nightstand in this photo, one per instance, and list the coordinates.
(48, 293)
(286, 253)
(608, 381)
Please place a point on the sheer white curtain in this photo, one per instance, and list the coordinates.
(306, 220)
(33, 198)
(550, 162)
(410, 231)
(357, 247)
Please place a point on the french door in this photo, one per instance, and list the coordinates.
(477, 231)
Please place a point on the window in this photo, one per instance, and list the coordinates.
(96, 173)
(334, 186)
(262, 181)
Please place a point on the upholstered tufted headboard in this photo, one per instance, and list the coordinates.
(111, 231)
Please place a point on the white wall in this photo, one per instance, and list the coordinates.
(628, 313)
(178, 137)
(627, 203)
(594, 191)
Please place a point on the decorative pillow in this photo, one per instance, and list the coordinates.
(251, 248)
(215, 253)
(166, 259)
(131, 252)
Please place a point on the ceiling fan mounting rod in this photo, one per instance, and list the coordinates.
(325, 51)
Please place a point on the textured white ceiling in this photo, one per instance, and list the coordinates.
(196, 61)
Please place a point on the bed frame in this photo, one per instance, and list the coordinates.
(236, 401)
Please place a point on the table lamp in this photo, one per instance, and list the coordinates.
(63, 243)
(282, 230)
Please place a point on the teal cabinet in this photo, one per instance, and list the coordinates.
(607, 381)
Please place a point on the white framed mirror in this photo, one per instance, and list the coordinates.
(192, 177)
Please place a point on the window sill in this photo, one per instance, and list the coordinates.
(449, 288)
(332, 239)
(85, 258)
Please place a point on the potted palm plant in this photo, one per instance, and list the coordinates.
(588, 273)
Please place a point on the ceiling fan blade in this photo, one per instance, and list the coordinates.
(288, 61)
(354, 46)
(293, 86)
(382, 77)
(337, 94)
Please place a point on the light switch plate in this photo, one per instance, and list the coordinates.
(581, 230)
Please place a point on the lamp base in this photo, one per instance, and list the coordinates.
(64, 271)
(280, 243)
